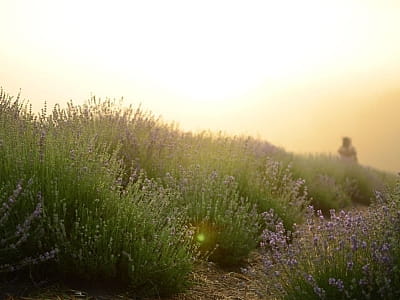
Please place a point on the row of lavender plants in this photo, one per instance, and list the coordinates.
(76, 202)
(103, 192)
(148, 143)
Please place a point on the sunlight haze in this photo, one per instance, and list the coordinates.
(300, 74)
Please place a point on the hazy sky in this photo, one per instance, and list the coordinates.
(300, 73)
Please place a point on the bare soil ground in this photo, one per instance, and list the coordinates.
(208, 282)
(212, 282)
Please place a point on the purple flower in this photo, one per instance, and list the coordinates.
(363, 281)
(365, 269)
(320, 292)
(310, 278)
(336, 283)
(350, 265)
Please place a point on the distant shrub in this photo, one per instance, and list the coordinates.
(334, 183)
(352, 255)
(328, 194)
(361, 182)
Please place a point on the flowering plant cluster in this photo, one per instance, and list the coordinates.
(226, 226)
(81, 213)
(12, 241)
(288, 195)
(350, 255)
(334, 183)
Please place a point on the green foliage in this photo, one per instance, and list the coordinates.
(351, 255)
(334, 183)
(114, 194)
(145, 244)
(226, 226)
(97, 228)
(15, 237)
(282, 192)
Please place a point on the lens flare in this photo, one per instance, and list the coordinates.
(201, 237)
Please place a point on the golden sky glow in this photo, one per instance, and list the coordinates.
(300, 73)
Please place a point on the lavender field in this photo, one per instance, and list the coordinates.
(107, 195)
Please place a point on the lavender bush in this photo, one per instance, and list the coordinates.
(328, 194)
(226, 226)
(99, 227)
(12, 242)
(285, 194)
(351, 255)
(334, 183)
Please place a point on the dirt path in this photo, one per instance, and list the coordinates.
(211, 282)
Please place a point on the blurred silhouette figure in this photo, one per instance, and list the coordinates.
(347, 151)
